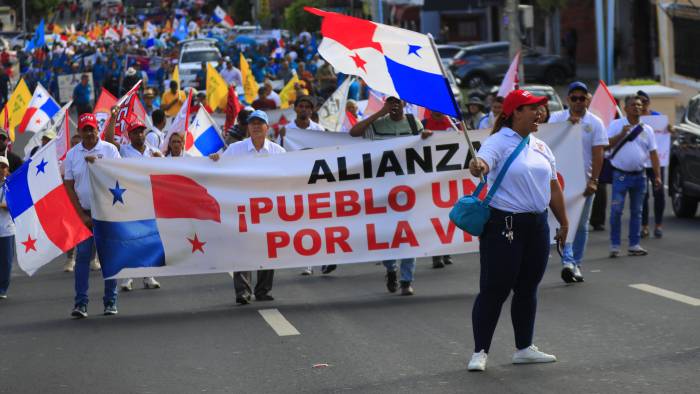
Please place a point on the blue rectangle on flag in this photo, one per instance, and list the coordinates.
(209, 142)
(18, 196)
(132, 244)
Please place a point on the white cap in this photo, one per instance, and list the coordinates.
(3, 160)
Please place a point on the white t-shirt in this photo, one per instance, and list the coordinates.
(594, 134)
(7, 226)
(77, 167)
(232, 76)
(154, 138)
(246, 147)
(127, 150)
(525, 187)
(276, 98)
(312, 126)
(487, 121)
(632, 156)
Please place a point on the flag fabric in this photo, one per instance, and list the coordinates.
(394, 61)
(46, 222)
(288, 93)
(181, 32)
(348, 121)
(220, 16)
(54, 124)
(40, 110)
(63, 133)
(331, 113)
(179, 124)
(15, 107)
(203, 136)
(603, 104)
(175, 76)
(280, 123)
(112, 34)
(102, 109)
(375, 102)
(250, 85)
(38, 40)
(128, 108)
(217, 89)
(233, 107)
(511, 79)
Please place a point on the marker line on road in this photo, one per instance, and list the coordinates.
(666, 294)
(282, 326)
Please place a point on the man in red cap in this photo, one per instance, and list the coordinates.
(77, 182)
(137, 147)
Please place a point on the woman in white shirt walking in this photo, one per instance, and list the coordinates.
(7, 232)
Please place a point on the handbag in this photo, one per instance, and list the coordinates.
(606, 170)
(471, 214)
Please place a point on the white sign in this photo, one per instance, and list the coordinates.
(66, 84)
(663, 138)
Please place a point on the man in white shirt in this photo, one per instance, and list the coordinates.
(155, 136)
(77, 182)
(137, 147)
(631, 143)
(258, 145)
(594, 141)
(272, 95)
(231, 74)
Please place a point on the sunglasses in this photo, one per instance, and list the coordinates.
(577, 98)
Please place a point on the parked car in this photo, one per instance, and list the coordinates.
(684, 163)
(447, 52)
(555, 104)
(478, 66)
(192, 54)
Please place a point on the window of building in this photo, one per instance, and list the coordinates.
(686, 55)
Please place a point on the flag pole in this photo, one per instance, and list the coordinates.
(472, 151)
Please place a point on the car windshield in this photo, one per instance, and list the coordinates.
(694, 111)
(199, 56)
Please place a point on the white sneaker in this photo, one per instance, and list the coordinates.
(95, 265)
(478, 361)
(150, 283)
(126, 285)
(531, 355)
(307, 272)
(636, 250)
(69, 265)
(614, 252)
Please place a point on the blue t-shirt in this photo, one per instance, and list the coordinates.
(81, 94)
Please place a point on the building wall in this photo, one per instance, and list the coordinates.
(580, 15)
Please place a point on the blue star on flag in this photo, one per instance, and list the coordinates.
(413, 49)
(41, 167)
(117, 193)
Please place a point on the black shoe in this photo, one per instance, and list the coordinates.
(392, 284)
(327, 269)
(447, 259)
(598, 227)
(578, 276)
(243, 300)
(264, 297)
(406, 289)
(567, 273)
(437, 262)
(80, 311)
(110, 310)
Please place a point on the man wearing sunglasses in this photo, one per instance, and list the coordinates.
(595, 139)
(15, 161)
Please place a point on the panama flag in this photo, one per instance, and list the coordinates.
(143, 220)
(203, 136)
(58, 124)
(41, 109)
(220, 16)
(46, 222)
(394, 61)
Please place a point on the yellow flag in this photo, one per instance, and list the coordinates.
(57, 29)
(15, 108)
(288, 93)
(176, 76)
(217, 89)
(250, 85)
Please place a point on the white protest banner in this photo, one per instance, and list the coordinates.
(663, 138)
(66, 84)
(331, 113)
(369, 201)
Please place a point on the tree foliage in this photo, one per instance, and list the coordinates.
(297, 20)
(241, 11)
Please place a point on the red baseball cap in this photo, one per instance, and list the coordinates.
(133, 124)
(87, 119)
(518, 98)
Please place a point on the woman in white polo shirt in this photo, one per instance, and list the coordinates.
(514, 246)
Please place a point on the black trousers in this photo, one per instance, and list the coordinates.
(263, 285)
(600, 204)
(659, 199)
(518, 266)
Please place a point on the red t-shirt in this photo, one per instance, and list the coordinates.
(437, 124)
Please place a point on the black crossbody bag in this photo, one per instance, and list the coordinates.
(607, 170)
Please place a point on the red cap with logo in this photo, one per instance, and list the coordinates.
(134, 123)
(518, 98)
(87, 119)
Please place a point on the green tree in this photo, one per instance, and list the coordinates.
(296, 19)
(241, 11)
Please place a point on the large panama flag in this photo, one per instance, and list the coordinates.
(394, 61)
(41, 109)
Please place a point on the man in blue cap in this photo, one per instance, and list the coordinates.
(595, 139)
(257, 144)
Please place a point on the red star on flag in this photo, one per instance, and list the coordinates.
(29, 244)
(197, 244)
(359, 62)
(38, 121)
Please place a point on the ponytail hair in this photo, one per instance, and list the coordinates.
(501, 121)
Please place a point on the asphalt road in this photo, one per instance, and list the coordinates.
(190, 337)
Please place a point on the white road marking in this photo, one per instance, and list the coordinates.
(667, 294)
(282, 326)
(230, 274)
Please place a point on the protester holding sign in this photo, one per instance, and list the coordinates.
(595, 139)
(633, 143)
(514, 245)
(658, 193)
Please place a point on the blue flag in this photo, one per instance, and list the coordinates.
(38, 40)
(181, 33)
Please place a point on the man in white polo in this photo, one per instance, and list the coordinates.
(77, 182)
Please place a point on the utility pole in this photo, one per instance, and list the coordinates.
(24, 16)
(512, 24)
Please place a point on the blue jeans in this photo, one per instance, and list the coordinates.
(7, 252)
(636, 185)
(573, 252)
(408, 266)
(85, 252)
